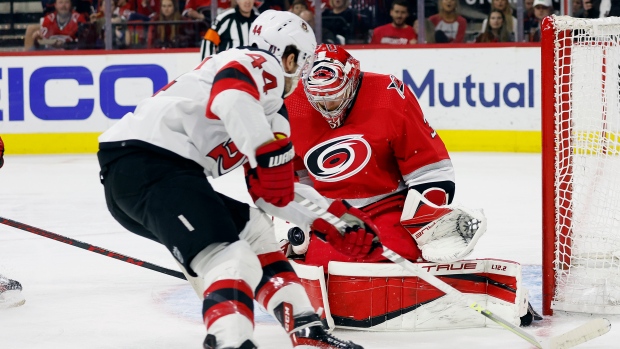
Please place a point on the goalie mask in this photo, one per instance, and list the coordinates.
(274, 31)
(331, 82)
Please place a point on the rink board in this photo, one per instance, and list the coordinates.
(478, 99)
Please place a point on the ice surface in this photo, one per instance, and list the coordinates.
(79, 299)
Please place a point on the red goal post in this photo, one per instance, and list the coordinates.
(580, 79)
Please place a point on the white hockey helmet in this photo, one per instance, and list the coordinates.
(274, 30)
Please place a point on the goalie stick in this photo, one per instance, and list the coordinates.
(590, 330)
(91, 248)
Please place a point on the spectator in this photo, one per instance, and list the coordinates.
(122, 13)
(346, 23)
(504, 7)
(146, 8)
(577, 7)
(609, 8)
(542, 9)
(230, 29)
(529, 19)
(169, 35)
(48, 7)
(327, 36)
(278, 5)
(298, 6)
(201, 9)
(495, 30)
(307, 4)
(398, 32)
(589, 9)
(59, 29)
(449, 24)
(429, 30)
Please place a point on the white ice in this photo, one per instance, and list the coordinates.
(79, 299)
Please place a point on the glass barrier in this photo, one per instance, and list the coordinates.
(341, 22)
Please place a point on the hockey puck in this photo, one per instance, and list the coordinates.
(296, 236)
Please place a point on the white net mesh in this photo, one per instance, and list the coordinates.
(587, 165)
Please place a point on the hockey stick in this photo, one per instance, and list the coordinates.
(91, 248)
(579, 335)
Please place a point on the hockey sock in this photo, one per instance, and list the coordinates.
(280, 284)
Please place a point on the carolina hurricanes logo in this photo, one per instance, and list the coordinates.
(398, 86)
(338, 158)
(227, 157)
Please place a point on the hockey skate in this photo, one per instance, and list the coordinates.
(210, 343)
(10, 293)
(308, 332)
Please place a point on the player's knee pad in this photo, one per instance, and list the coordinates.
(259, 232)
(228, 261)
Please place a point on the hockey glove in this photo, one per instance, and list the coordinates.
(1, 153)
(443, 233)
(273, 179)
(357, 239)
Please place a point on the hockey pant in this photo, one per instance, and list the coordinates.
(169, 200)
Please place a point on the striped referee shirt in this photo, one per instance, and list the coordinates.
(230, 29)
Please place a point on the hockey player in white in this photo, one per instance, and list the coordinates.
(225, 113)
(10, 290)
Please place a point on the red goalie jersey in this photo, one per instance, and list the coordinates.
(383, 147)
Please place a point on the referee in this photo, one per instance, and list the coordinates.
(230, 29)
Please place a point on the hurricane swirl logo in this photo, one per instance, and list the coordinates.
(338, 158)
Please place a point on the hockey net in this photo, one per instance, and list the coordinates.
(581, 164)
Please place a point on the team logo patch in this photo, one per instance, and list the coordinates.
(227, 157)
(397, 85)
(338, 158)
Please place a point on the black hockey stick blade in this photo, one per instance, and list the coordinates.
(91, 248)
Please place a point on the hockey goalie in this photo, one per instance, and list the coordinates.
(362, 143)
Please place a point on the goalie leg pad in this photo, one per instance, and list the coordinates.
(443, 233)
(384, 297)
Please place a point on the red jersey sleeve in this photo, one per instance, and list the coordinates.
(418, 149)
(460, 34)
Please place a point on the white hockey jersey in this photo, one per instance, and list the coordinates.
(216, 115)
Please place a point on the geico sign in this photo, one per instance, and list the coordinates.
(84, 77)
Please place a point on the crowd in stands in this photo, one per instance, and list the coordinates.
(67, 24)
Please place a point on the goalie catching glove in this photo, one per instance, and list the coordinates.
(443, 233)
(273, 179)
(356, 239)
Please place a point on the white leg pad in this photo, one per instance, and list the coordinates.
(313, 280)
(384, 297)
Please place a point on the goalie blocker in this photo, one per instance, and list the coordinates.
(385, 297)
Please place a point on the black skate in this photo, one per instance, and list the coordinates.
(210, 343)
(10, 293)
(307, 331)
(530, 316)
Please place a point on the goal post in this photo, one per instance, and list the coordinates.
(580, 80)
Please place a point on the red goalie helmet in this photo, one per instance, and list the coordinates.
(331, 82)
